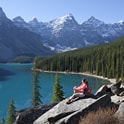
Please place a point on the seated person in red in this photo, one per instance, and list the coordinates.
(79, 91)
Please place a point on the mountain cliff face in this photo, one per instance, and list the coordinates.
(65, 33)
(16, 41)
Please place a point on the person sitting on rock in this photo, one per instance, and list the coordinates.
(79, 91)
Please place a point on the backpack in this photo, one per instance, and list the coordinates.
(88, 91)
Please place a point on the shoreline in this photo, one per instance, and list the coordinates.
(111, 80)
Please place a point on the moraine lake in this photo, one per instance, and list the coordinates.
(16, 83)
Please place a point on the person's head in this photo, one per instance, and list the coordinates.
(83, 80)
(86, 82)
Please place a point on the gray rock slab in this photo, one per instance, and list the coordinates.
(117, 99)
(120, 112)
(62, 112)
(74, 118)
(63, 108)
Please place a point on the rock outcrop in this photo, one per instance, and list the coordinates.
(120, 112)
(28, 116)
(62, 113)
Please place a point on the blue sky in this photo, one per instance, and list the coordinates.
(109, 11)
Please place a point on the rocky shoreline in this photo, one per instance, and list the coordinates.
(111, 80)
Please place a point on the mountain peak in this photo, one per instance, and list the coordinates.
(2, 14)
(121, 22)
(65, 19)
(66, 22)
(93, 21)
(18, 19)
(68, 16)
(34, 19)
(92, 18)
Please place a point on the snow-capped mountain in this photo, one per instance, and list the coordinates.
(65, 33)
(66, 22)
(60, 34)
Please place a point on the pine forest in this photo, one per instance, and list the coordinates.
(105, 60)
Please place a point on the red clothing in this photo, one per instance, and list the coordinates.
(81, 88)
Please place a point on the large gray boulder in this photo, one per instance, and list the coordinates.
(101, 91)
(64, 113)
(115, 88)
(120, 112)
(117, 99)
(111, 89)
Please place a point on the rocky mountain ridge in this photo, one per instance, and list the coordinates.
(65, 33)
(34, 38)
(15, 41)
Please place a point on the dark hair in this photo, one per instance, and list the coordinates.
(84, 80)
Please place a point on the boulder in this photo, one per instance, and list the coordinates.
(64, 113)
(122, 85)
(101, 91)
(120, 112)
(115, 88)
(110, 89)
(122, 93)
(117, 99)
(28, 116)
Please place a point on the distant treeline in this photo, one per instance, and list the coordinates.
(105, 60)
(22, 59)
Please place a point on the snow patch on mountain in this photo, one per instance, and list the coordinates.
(121, 22)
(66, 22)
(58, 48)
(48, 46)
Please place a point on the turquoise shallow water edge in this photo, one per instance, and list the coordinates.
(16, 83)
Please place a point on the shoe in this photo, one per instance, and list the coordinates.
(69, 101)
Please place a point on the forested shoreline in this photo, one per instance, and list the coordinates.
(105, 60)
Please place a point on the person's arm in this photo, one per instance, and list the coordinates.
(83, 88)
(78, 88)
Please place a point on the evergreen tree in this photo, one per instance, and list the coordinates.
(35, 63)
(11, 113)
(122, 73)
(58, 93)
(36, 90)
(3, 121)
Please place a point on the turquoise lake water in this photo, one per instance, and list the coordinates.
(16, 83)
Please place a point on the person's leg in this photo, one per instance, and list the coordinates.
(70, 98)
(73, 96)
(80, 95)
(76, 95)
